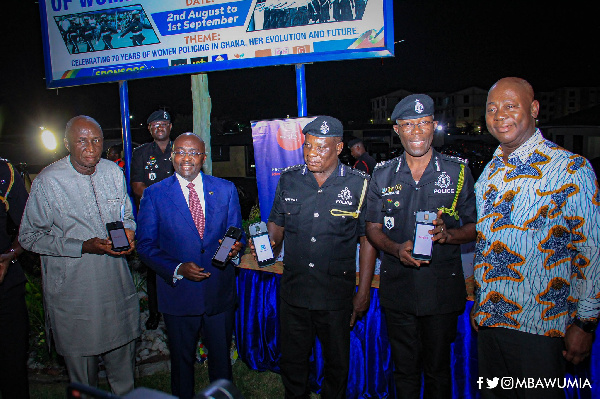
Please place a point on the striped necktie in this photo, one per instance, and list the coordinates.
(196, 209)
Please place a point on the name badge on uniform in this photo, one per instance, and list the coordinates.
(388, 222)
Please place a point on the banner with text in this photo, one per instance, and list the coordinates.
(94, 41)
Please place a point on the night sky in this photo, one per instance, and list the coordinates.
(447, 46)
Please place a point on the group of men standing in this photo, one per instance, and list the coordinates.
(533, 213)
(323, 208)
(91, 304)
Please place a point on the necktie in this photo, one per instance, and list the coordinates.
(196, 209)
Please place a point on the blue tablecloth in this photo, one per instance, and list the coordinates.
(257, 334)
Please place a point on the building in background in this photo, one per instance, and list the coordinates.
(465, 109)
(578, 132)
(461, 109)
(565, 101)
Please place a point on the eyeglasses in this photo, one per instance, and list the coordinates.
(155, 125)
(409, 126)
(192, 154)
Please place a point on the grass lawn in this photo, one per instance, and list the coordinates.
(252, 384)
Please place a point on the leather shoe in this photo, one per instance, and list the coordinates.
(152, 322)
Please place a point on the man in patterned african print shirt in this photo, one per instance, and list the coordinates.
(537, 259)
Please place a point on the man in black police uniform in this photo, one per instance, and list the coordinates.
(364, 161)
(14, 321)
(421, 300)
(151, 163)
(317, 210)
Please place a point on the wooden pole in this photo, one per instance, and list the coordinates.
(202, 106)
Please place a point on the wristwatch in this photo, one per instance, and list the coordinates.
(587, 326)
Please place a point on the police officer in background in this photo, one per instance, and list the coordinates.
(421, 299)
(318, 212)
(14, 321)
(151, 163)
(364, 161)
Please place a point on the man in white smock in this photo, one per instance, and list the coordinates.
(91, 303)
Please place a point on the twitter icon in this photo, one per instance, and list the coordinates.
(493, 383)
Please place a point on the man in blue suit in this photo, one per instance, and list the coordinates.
(180, 222)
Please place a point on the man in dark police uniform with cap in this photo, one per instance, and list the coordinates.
(318, 211)
(364, 161)
(421, 300)
(151, 163)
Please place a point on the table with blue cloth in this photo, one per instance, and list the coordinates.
(371, 366)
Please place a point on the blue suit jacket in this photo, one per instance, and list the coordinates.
(167, 236)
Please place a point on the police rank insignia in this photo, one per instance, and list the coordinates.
(419, 108)
(388, 222)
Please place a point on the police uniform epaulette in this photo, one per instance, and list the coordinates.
(358, 172)
(293, 167)
(384, 164)
(455, 159)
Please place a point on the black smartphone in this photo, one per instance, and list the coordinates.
(116, 232)
(221, 257)
(422, 243)
(262, 244)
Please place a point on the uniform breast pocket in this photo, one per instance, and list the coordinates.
(438, 200)
(342, 219)
(292, 216)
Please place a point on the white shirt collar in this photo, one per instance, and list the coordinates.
(198, 186)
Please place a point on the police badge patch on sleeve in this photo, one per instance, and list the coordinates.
(388, 222)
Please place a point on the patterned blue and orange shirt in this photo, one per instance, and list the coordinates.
(537, 252)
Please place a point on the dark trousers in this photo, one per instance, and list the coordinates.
(421, 344)
(14, 343)
(183, 333)
(298, 328)
(503, 352)
(151, 291)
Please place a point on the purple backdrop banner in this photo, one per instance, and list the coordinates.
(277, 145)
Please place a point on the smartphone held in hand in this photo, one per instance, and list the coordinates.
(262, 244)
(422, 243)
(221, 257)
(116, 233)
